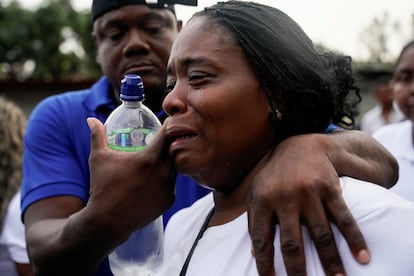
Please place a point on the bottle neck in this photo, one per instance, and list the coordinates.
(132, 104)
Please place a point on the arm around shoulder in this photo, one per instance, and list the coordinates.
(355, 153)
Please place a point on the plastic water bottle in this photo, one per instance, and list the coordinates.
(131, 127)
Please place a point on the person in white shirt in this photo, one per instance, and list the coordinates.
(385, 112)
(13, 254)
(399, 138)
(242, 77)
(14, 260)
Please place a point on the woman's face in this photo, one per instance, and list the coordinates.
(403, 83)
(219, 124)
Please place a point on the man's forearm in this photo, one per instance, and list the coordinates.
(360, 156)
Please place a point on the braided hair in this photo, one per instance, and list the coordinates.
(299, 83)
(347, 97)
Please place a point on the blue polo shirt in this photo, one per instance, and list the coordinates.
(57, 146)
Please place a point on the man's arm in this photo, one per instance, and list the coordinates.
(363, 158)
(66, 238)
(24, 269)
(299, 185)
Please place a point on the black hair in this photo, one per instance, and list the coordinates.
(404, 49)
(100, 7)
(348, 95)
(298, 82)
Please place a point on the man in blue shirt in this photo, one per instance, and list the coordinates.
(75, 215)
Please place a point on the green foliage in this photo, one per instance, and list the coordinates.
(33, 42)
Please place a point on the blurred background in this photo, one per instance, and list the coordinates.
(46, 45)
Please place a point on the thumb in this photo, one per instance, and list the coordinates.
(159, 145)
(157, 154)
(98, 134)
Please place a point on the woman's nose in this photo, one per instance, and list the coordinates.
(175, 101)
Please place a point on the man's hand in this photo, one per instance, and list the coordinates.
(298, 184)
(133, 187)
(127, 191)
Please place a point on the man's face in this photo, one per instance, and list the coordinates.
(136, 39)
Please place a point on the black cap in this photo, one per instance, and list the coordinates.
(100, 7)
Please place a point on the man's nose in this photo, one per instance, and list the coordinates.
(136, 43)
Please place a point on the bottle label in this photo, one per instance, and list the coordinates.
(130, 139)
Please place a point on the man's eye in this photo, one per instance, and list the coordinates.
(113, 35)
(154, 30)
(154, 27)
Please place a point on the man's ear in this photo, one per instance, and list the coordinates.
(95, 41)
(179, 25)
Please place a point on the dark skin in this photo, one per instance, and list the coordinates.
(208, 82)
(403, 83)
(59, 228)
(102, 224)
(265, 210)
(24, 269)
(96, 221)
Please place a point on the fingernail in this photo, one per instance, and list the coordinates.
(363, 256)
(339, 274)
(90, 122)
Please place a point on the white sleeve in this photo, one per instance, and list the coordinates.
(387, 222)
(13, 234)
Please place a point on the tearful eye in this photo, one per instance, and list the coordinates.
(170, 83)
(169, 88)
(195, 77)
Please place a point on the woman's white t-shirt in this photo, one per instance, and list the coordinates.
(385, 219)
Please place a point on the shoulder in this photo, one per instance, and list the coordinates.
(386, 221)
(183, 225)
(191, 215)
(389, 132)
(181, 232)
(372, 114)
(13, 234)
(12, 218)
(367, 198)
(59, 103)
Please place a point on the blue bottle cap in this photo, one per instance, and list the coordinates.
(132, 88)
